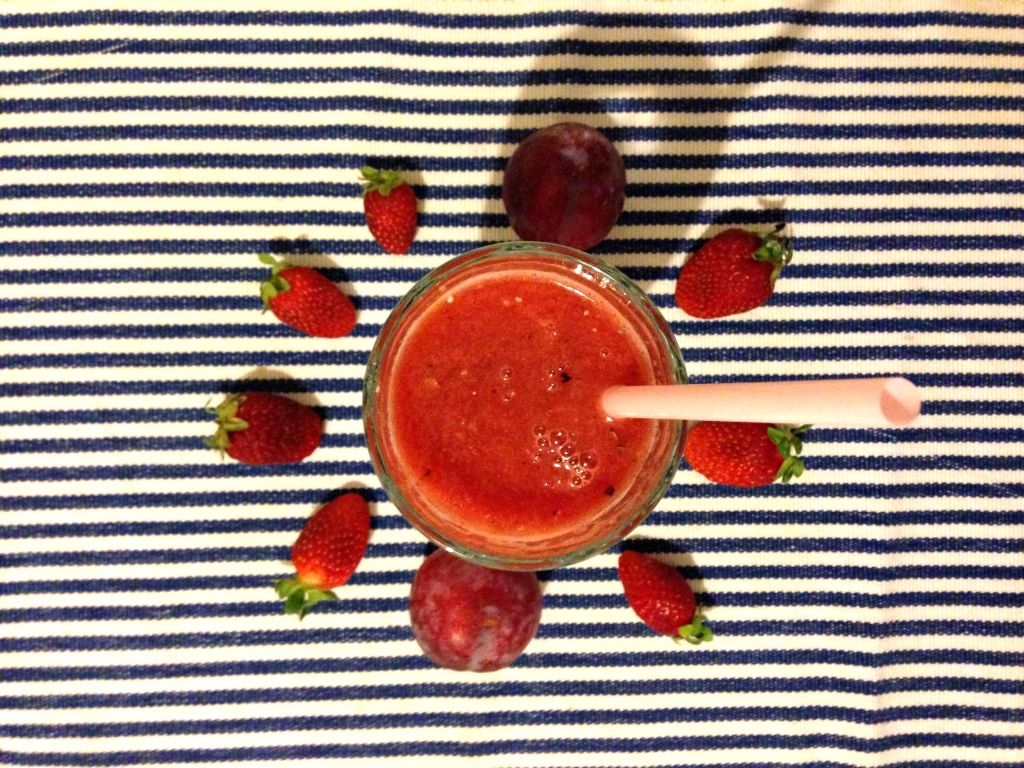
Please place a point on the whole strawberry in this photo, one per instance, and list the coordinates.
(661, 597)
(326, 554)
(262, 428)
(306, 300)
(745, 453)
(735, 271)
(390, 207)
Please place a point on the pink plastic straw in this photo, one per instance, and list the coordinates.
(891, 402)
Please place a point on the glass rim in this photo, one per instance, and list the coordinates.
(383, 342)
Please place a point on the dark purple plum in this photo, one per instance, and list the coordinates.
(468, 617)
(564, 184)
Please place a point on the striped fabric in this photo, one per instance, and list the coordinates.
(867, 615)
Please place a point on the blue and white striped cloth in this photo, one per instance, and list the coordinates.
(867, 615)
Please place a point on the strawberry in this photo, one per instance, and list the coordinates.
(744, 453)
(390, 207)
(306, 300)
(261, 428)
(326, 554)
(735, 271)
(661, 597)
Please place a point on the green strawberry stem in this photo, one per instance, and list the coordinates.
(777, 249)
(379, 181)
(227, 421)
(300, 597)
(274, 284)
(787, 440)
(696, 632)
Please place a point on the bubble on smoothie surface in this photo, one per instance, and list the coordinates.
(557, 449)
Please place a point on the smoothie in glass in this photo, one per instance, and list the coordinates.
(482, 406)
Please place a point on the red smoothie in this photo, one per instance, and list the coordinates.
(491, 397)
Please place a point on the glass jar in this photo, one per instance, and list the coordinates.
(439, 508)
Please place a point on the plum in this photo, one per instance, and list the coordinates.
(564, 184)
(468, 617)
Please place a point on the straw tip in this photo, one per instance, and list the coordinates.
(900, 402)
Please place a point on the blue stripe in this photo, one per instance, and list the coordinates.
(694, 545)
(145, 415)
(401, 633)
(515, 21)
(211, 386)
(664, 300)
(840, 326)
(209, 639)
(820, 434)
(698, 491)
(312, 160)
(218, 359)
(201, 387)
(671, 658)
(921, 379)
(220, 583)
(461, 749)
(166, 303)
(395, 274)
(489, 689)
(378, 104)
(815, 160)
(370, 330)
(931, 517)
(814, 572)
(169, 528)
(882, 299)
(163, 443)
(493, 191)
(212, 331)
(920, 463)
(563, 47)
(781, 187)
(173, 471)
(426, 163)
(974, 408)
(505, 748)
(354, 357)
(915, 435)
(792, 215)
(853, 490)
(817, 272)
(884, 243)
(234, 274)
(428, 719)
(213, 554)
(514, 78)
(376, 133)
(324, 468)
(496, 220)
(112, 247)
(348, 606)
